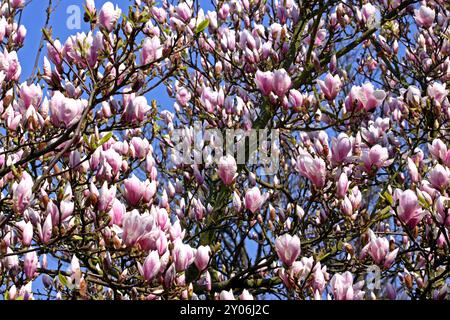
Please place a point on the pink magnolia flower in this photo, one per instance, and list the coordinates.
(341, 148)
(151, 50)
(376, 157)
(106, 197)
(364, 98)
(437, 92)
(22, 192)
(320, 276)
(152, 266)
(246, 39)
(53, 211)
(30, 264)
(161, 242)
(9, 63)
(227, 169)
(27, 234)
(343, 288)
(66, 209)
(245, 295)
(10, 262)
(446, 159)
(90, 6)
(211, 98)
(112, 159)
(150, 191)
(312, 168)
(443, 210)
(131, 227)
(158, 13)
(133, 190)
(347, 207)
(170, 276)
(26, 291)
(288, 248)
(140, 146)
(136, 228)
(368, 12)
(175, 231)
(202, 257)
(183, 12)
(75, 161)
(237, 203)
(409, 211)
(30, 94)
(424, 16)
(17, 3)
(162, 218)
(378, 249)
(12, 292)
(295, 99)
(253, 199)
(412, 169)
(75, 272)
(47, 229)
(198, 211)
(136, 110)
(439, 177)
(318, 40)
(13, 118)
(391, 293)
(3, 25)
(438, 149)
(108, 16)
(281, 82)
(413, 95)
(82, 49)
(117, 212)
(226, 295)
(65, 110)
(264, 82)
(331, 86)
(54, 52)
(342, 185)
(19, 36)
(183, 255)
(183, 96)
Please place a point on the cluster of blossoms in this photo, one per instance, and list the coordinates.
(97, 202)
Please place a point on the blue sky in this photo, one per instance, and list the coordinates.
(33, 18)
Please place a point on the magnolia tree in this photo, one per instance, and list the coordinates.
(305, 153)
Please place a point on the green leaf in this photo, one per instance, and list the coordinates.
(202, 26)
(144, 17)
(389, 198)
(386, 210)
(77, 238)
(422, 201)
(86, 139)
(104, 139)
(14, 170)
(62, 279)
